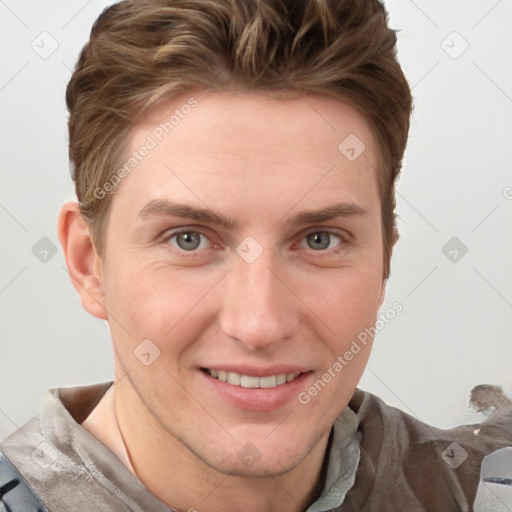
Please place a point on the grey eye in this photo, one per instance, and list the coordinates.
(319, 241)
(188, 241)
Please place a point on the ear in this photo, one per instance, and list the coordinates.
(84, 265)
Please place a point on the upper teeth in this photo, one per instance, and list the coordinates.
(248, 381)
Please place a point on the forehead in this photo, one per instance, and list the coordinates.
(253, 119)
(212, 147)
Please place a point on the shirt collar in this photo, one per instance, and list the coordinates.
(343, 462)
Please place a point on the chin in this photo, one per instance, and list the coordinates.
(262, 468)
(258, 459)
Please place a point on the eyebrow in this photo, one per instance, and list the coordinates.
(165, 208)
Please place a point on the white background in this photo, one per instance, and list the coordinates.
(455, 330)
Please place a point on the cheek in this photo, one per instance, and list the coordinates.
(347, 302)
(142, 308)
(153, 302)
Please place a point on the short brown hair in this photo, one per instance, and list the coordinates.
(142, 52)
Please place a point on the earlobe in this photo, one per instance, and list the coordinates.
(84, 265)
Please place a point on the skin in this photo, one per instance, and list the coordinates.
(258, 160)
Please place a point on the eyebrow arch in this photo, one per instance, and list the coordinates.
(330, 212)
(165, 208)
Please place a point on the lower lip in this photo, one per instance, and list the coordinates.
(257, 399)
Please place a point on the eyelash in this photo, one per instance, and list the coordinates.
(168, 235)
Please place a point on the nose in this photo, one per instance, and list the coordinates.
(259, 307)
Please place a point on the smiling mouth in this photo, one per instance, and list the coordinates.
(249, 381)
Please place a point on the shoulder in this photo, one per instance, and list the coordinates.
(374, 414)
(411, 464)
(48, 451)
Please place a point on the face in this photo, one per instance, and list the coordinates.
(244, 245)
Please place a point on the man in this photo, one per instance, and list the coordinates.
(234, 165)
